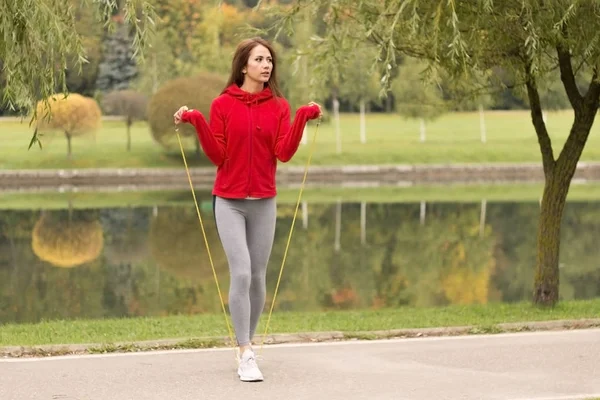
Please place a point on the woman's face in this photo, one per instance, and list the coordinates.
(260, 65)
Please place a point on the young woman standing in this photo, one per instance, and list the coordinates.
(249, 131)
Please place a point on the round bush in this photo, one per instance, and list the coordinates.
(73, 115)
(196, 92)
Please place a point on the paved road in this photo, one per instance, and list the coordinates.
(531, 366)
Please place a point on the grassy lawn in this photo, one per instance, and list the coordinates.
(433, 193)
(454, 138)
(205, 325)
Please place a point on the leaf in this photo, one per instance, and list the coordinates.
(35, 139)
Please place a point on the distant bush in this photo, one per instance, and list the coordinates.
(74, 115)
(196, 92)
(129, 104)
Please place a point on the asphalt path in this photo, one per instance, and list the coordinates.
(562, 365)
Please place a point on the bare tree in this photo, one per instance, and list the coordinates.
(127, 103)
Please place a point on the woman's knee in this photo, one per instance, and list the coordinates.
(241, 280)
(258, 277)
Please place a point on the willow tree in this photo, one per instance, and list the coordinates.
(527, 39)
(45, 31)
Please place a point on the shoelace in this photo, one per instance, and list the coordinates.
(252, 362)
(255, 358)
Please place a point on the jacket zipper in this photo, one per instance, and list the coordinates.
(250, 152)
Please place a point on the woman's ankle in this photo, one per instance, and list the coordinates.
(245, 347)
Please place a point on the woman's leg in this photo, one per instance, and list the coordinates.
(260, 231)
(230, 216)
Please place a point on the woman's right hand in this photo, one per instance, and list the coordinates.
(178, 114)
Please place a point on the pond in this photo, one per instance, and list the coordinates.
(152, 261)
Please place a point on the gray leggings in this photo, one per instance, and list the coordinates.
(246, 229)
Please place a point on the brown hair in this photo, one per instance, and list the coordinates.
(240, 60)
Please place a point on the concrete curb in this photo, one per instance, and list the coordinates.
(320, 176)
(303, 337)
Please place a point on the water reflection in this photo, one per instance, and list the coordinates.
(152, 261)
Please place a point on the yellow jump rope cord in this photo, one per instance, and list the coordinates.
(310, 153)
(206, 241)
(311, 150)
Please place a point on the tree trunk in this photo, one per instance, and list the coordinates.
(546, 281)
(363, 123)
(129, 134)
(556, 189)
(559, 172)
(68, 135)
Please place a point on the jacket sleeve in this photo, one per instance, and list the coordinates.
(290, 135)
(211, 137)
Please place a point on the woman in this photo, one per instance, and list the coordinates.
(249, 131)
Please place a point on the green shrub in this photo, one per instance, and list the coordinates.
(196, 92)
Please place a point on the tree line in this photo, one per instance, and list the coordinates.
(194, 36)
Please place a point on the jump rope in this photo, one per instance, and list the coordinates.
(187, 170)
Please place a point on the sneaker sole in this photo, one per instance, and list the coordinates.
(243, 379)
(246, 379)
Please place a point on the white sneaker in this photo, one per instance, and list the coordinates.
(248, 369)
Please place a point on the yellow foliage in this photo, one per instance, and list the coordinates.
(221, 24)
(65, 243)
(74, 115)
(463, 286)
(458, 254)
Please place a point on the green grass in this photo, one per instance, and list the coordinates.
(186, 327)
(433, 193)
(454, 138)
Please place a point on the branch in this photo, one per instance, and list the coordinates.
(592, 97)
(582, 125)
(567, 76)
(538, 122)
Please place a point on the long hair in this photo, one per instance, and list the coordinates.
(240, 60)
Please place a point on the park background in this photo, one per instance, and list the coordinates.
(465, 247)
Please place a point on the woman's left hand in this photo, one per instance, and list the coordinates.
(312, 103)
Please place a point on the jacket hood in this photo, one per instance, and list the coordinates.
(235, 91)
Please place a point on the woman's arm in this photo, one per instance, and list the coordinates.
(211, 137)
(289, 137)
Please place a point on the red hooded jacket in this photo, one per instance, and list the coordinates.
(247, 134)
